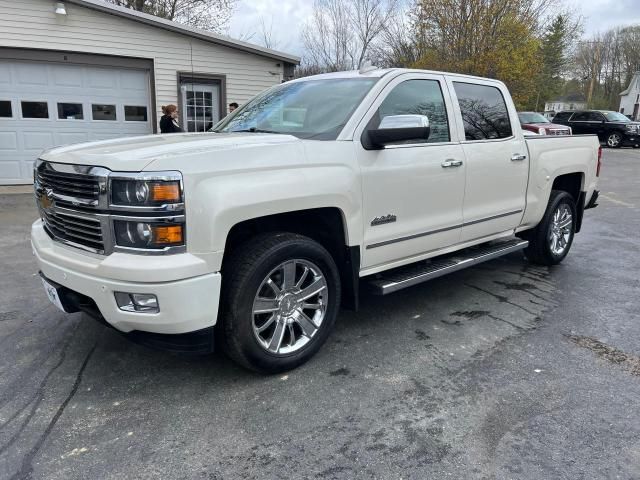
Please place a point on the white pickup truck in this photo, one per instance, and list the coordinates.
(260, 230)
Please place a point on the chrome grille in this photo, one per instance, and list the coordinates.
(80, 186)
(69, 198)
(79, 231)
(558, 131)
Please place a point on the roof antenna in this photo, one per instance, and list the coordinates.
(367, 67)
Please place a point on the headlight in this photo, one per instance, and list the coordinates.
(148, 235)
(542, 131)
(145, 193)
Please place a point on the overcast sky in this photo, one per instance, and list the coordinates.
(288, 16)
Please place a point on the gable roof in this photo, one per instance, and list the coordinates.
(634, 80)
(204, 35)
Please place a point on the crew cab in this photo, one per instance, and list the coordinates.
(258, 232)
(612, 128)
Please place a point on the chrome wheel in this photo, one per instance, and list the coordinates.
(561, 229)
(613, 140)
(289, 306)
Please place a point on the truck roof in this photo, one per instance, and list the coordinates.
(381, 72)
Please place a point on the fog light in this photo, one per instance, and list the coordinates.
(137, 302)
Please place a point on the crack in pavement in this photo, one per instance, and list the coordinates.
(36, 399)
(26, 469)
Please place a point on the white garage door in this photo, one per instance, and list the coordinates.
(47, 104)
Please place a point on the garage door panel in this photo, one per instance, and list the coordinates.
(23, 139)
(26, 168)
(134, 82)
(66, 138)
(37, 141)
(5, 73)
(102, 78)
(8, 142)
(32, 74)
(68, 77)
(10, 170)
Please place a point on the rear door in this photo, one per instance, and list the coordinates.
(496, 158)
(584, 123)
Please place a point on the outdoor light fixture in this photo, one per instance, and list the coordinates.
(60, 10)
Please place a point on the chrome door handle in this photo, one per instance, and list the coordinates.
(451, 163)
(518, 157)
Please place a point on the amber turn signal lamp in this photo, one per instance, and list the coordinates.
(165, 192)
(167, 235)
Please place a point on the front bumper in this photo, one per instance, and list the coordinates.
(631, 139)
(186, 304)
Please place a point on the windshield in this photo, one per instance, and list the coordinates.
(615, 117)
(532, 117)
(315, 109)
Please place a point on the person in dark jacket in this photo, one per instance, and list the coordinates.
(169, 119)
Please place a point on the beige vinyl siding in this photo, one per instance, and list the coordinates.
(33, 24)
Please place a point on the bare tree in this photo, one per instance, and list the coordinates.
(341, 33)
(211, 15)
(266, 36)
(605, 63)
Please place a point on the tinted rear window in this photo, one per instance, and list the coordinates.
(484, 111)
(581, 117)
(562, 116)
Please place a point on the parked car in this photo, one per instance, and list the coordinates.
(259, 232)
(538, 123)
(612, 128)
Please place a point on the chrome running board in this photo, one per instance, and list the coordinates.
(407, 276)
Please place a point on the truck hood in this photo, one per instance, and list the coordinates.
(134, 154)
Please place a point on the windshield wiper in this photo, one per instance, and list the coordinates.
(254, 130)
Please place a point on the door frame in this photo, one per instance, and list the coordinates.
(205, 79)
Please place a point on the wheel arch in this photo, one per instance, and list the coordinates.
(327, 225)
(573, 184)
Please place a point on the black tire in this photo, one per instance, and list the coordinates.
(539, 250)
(244, 273)
(610, 140)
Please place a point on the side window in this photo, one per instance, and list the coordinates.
(595, 117)
(417, 97)
(562, 116)
(580, 117)
(135, 114)
(70, 111)
(103, 112)
(34, 109)
(484, 111)
(5, 109)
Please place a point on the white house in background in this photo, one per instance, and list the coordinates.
(572, 101)
(84, 70)
(630, 98)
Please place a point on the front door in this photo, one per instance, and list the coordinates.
(412, 192)
(201, 106)
(497, 160)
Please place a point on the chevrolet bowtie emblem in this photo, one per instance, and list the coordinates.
(46, 199)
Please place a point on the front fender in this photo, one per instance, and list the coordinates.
(218, 202)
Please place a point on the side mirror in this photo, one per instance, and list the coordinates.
(397, 128)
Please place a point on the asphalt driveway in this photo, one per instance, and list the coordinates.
(506, 370)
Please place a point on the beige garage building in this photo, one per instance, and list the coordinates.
(83, 70)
